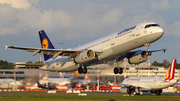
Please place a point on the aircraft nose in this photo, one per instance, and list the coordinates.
(159, 32)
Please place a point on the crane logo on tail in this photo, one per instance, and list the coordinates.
(45, 43)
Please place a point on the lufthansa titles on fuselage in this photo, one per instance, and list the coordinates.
(128, 30)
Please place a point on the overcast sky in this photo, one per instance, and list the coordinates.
(75, 22)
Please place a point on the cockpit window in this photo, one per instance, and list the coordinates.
(147, 26)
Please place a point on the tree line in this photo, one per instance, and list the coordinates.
(6, 65)
(165, 64)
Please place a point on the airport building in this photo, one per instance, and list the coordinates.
(25, 73)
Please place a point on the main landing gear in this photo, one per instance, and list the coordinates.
(157, 92)
(82, 70)
(118, 70)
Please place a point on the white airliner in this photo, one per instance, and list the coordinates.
(65, 81)
(9, 83)
(114, 46)
(152, 84)
(6, 81)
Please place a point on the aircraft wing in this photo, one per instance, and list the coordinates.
(55, 52)
(136, 52)
(73, 53)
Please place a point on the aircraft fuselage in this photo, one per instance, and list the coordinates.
(113, 46)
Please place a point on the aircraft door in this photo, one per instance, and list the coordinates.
(140, 32)
(137, 33)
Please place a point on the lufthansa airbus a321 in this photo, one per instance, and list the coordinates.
(114, 46)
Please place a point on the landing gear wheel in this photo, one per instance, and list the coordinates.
(152, 91)
(85, 70)
(120, 70)
(80, 70)
(129, 91)
(116, 70)
(158, 93)
(137, 93)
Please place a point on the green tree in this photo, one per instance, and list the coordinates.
(155, 63)
(166, 63)
(177, 66)
(39, 62)
(6, 65)
(29, 62)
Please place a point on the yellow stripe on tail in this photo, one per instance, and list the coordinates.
(167, 75)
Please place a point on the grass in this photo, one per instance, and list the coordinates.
(62, 96)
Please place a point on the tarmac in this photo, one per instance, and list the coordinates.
(88, 93)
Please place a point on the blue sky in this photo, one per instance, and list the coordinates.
(75, 22)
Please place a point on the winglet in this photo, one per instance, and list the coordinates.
(6, 47)
(164, 50)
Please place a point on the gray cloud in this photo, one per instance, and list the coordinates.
(173, 29)
(24, 4)
(80, 21)
(163, 5)
(17, 20)
(91, 19)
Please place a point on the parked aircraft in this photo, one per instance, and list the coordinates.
(6, 81)
(152, 84)
(114, 46)
(72, 81)
(112, 83)
(46, 86)
(9, 83)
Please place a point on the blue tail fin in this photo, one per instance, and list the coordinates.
(45, 43)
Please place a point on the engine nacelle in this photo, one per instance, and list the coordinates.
(85, 56)
(139, 58)
(125, 90)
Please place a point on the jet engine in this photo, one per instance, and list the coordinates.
(125, 90)
(85, 56)
(139, 58)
